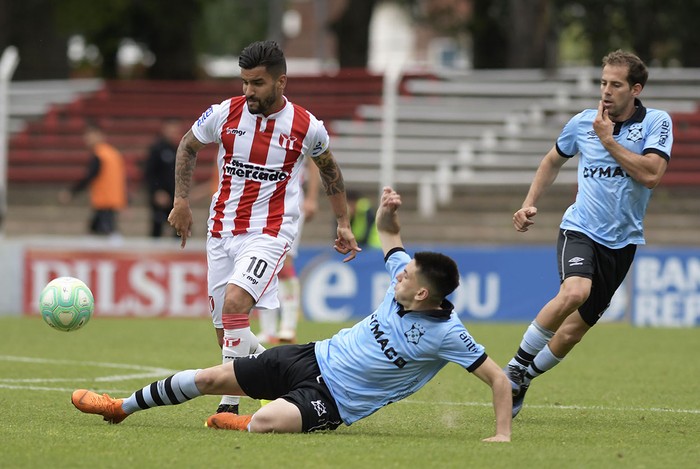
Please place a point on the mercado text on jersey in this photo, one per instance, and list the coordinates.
(260, 165)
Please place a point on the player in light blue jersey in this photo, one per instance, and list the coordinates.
(384, 358)
(624, 149)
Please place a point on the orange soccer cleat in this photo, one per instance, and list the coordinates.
(229, 421)
(92, 403)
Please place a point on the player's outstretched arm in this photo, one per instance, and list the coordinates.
(387, 220)
(334, 185)
(490, 373)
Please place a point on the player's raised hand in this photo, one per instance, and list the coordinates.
(602, 125)
(522, 219)
(390, 200)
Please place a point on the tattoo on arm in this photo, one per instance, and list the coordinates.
(185, 161)
(331, 176)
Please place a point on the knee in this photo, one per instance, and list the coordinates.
(237, 302)
(262, 422)
(204, 380)
(573, 297)
(233, 306)
(569, 337)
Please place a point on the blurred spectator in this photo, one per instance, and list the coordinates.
(105, 178)
(361, 213)
(159, 176)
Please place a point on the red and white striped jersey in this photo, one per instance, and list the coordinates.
(260, 164)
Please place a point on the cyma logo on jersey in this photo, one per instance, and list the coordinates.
(389, 351)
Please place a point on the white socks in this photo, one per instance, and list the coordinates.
(237, 343)
(290, 292)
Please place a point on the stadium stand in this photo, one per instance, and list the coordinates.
(466, 147)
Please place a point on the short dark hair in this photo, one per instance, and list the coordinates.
(637, 71)
(264, 53)
(439, 271)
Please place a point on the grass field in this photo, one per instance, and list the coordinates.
(626, 397)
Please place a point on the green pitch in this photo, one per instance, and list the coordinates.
(626, 397)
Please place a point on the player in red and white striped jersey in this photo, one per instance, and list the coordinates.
(263, 140)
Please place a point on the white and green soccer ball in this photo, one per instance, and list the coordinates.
(66, 304)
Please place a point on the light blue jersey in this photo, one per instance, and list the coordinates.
(610, 205)
(392, 353)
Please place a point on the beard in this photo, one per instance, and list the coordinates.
(257, 106)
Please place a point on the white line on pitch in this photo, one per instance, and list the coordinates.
(33, 384)
(152, 372)
(83, 363)
(566, 407)
(45, 388)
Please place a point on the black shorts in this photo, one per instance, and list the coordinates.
(580, 256)
(290, 372)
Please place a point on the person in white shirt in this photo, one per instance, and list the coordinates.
(253, 220)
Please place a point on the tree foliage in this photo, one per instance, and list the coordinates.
(503, 33)
(527, 33)
(659, 31)
(41, 44)
(352, 32)
(165, 27)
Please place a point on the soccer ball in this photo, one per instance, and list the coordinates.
(66, 304)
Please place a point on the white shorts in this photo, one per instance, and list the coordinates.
(251, 261)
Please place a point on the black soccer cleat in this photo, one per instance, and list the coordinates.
(230, 408)
(519, 398)
(515, 375)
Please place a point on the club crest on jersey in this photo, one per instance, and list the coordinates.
(287, 141)
(634, 134)
(414, 334)
(254, 172)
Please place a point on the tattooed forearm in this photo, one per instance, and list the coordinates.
(185, 161)
(331, 177)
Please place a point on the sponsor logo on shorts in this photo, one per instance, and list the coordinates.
(576, 261)
(319, 407)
